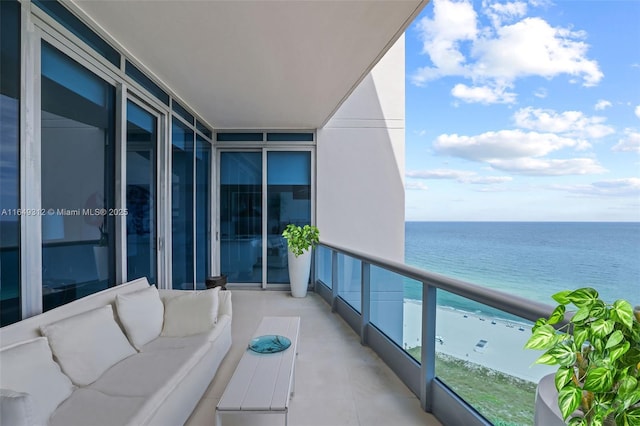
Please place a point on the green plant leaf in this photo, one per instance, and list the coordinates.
(599, 379)
(583, 297)
(629, 418)
(564, 354)
(601, 328)
(614, 339)
(580, 335)
(557, 315)
(618, 351)
(577, 421)
(568, 400)
(562, 297)
(632, 399)
(626, 386)
(623, 312)
(544, 337)
(598, 310)
(563, 376)
(547, 359)
(540, 322)
(581, 314)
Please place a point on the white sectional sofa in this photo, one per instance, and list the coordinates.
(129, 355)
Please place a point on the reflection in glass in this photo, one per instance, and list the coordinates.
(10, 305)
(323, 265)
(203, 172)
(182, 205)
(77, 123)
(349, 281)
(288, 201)
(392, 310)
(141, 193)
(241, 216)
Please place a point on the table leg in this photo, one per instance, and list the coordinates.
(218, 420)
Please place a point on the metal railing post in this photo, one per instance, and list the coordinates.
(365, 301)
(428, 353)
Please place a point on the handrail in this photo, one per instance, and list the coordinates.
(516, 305)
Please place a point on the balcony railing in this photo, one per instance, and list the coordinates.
(456, 345)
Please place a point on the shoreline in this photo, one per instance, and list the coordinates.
(458, 332)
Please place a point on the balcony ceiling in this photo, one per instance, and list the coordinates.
(257, 64)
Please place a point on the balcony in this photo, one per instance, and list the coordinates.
(338, 380)
(362, 358)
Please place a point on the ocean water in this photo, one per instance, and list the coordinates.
(530, 259)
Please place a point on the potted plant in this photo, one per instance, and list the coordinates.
(598, 356)
(300, 241)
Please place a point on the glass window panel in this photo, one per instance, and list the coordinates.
(142, 137)
(239, 137)
(290, 137)
(323, 265)
(138, 76)
(480, 355)
(77, 27)
(203, 208)
(182, 112)
(394, 308)
(288, 201)
(349, 281)
(77, 172)
(241, 216)
(203, 129)
(10, 300)
(182, 194)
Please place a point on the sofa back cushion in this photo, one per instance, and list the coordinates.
(191, 313)
(141, 314)
(88, 344)
(28, 368)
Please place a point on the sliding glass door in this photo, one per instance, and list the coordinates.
(142, 142)
(241, 216)
(256, 204)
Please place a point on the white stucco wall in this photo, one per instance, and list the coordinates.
(360, 164)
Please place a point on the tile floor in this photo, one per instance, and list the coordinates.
(338, 381)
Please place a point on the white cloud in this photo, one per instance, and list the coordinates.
(629, 143)
(496, 55)
(602, 104)
(483, 94)
(501, 12)
(540, 93)
(548, 167)
(606, 188)
(461, 176)
(504, 144)
(415, 186)
(637, 111)
(568, 123)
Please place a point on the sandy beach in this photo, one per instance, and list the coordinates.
(458, 333)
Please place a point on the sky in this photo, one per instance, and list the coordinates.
(523, 111)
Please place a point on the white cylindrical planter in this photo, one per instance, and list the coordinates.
(299, 270)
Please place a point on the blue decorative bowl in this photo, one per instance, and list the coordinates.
(269, 344)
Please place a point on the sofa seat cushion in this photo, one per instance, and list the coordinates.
(28, 367)
(91, 407)
(149, 373)
(87, 344)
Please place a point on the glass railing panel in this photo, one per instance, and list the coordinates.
(480, 355)
(349, 281)
(323, 265)
(396, 308)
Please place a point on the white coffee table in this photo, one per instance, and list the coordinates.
(263, 383)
